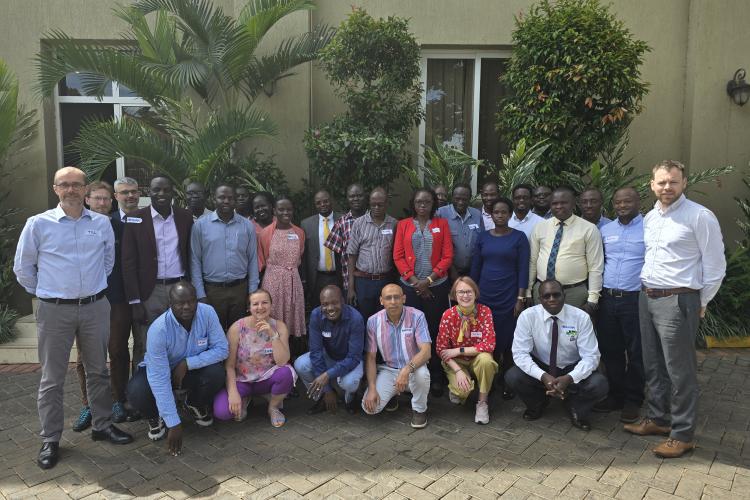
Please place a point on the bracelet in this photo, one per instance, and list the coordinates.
(429, 278)
(275, 336)
(412, 367)
(521, 298)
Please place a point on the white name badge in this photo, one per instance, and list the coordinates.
(202, 342)
(326, 334)
(611, 239)
(476, 335)
(407, 331)
(473, 226)
(92, 232)
(133, 220)
(268, 350)
(386, 231)
(435, 229)
(292, 236)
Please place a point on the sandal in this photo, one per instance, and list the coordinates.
(277, 418)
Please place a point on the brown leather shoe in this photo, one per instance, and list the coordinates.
(647, 427)
(672, 448)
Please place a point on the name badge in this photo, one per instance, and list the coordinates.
(473, 226)
(133, 220)
(407, 331)
(326, 334)
(292, 236)
(92, 232)
(570, 332)
(435, 229)
(476, 335)
(202, 342)
(386, 231)
(611, 239)
(268, 350)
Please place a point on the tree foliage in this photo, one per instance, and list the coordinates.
(574, 80)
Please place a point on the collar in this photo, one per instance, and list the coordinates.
(560, 316)
(155, 214)
(214, 216)
(170, 317)
(329, 217)
(122, 214)
(400, 320)
(634, 221)
(344, 318)
(515, 217)
(568, 222)
(60, 213)
(456, 215)
(671, 208)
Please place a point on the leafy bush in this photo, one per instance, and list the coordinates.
(443, 166)
(574, 79)
(521, 166)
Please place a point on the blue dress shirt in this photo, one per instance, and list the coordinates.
(624, 253)
(65, 258)
(603, 221)
(168, 343)
(464, 231)
(223, 251)
(343, 341)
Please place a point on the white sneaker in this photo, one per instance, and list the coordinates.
(156, 429)
(482, 415)
(453, 398)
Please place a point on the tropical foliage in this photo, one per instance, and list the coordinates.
(520, 166)
(373, 65)
(200, 70)
(443, 166)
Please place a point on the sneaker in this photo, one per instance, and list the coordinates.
(482, 415)
(201, 416)
(119, 413)
(392, 404)
(418, 420)
(454, 398)
(157, 429)
(84, 420)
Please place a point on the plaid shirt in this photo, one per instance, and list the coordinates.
(337, 241)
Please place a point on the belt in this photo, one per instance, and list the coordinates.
(368, 276)
(226, 284)
(327, 273)
(168, 281)
(80, 302)
(615, 292)
(565, 287)
(666, 292)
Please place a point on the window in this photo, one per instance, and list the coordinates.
(75, 107)
(461, 94)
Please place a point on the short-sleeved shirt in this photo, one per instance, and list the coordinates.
(397, 343)
(372, 244)
(464, 231)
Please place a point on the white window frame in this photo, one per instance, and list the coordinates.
(477, 56)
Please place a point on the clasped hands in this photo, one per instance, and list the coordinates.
(556, 387)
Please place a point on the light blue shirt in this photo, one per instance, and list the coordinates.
(464, 231)
(168, 343)
(65, 258)
(603, 221)
(223, 251)
(624, 252)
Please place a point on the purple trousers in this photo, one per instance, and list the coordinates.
(280, 382)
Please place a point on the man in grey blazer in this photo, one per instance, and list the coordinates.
(321, 266)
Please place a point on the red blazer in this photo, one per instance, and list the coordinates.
(442, 247)
(139, 251)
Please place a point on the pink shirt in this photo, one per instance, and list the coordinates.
(167, 247)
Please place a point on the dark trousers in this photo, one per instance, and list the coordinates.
(201, 386)
(368, 295)
(230, 303)
(322, 280)
(619, 335)
(433, 310)
(120, 321)
(581, 396)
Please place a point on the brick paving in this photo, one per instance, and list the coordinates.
(339, 456)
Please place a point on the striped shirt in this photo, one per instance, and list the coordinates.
(338, 240)
(421, 242)
(397, 343)
(372, 244)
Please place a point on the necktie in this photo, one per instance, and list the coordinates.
(553, 348)
(326, 250)
(553, 252)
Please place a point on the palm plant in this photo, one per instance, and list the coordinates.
(198, 68)
(443, 166)
(519, 166)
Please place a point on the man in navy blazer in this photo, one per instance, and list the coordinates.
(321, 266)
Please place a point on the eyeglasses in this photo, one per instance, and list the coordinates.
(465, 292)
(100, 198)
(68, 185)
(128, 192)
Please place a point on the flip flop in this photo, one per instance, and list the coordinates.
(277, 418)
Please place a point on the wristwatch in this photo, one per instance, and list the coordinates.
(461, 350)
(412, 367)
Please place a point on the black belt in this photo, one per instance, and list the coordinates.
(615, 292)
(168, 281)
(655, 293)
(226, 284)
(565, 287)
(80, 302)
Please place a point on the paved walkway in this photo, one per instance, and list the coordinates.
(382, 457)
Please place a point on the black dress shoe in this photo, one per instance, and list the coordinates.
(531, 414)
(318, 407)
(436, 390)
(576, 420)
(508, 394)
(133, 416)
(48, 455)
(113, 435)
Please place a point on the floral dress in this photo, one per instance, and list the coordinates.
(283, 282)
(255, 361)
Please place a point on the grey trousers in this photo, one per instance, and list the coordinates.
(57, 326)
(419, 386)
(668, 329)
(155, 305)
(576, 296)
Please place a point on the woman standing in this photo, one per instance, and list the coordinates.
(500, 265)
(423, 254)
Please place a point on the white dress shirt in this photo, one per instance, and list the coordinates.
(321, 243)
(487, 219)
(576, 341)
(684, 248)
(526, 224)
(167, 240)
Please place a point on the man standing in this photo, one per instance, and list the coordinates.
(63, 257)
(224, 262)
(320, 264)
(568, 249)
(196, 199)
(591, 202)
(336, 337)
(683, 270)
(465, 223)
(186, 348)
(342, 229)
(399, 333)
(542, 201)
(490, 193)
(618, 330)
(244, 202)
(442, 195)
(155, 255)
(370, 254)
(556, 355)
(523, 218)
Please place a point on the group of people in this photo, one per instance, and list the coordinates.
(217, 303)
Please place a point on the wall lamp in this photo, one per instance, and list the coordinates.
(738, 89)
